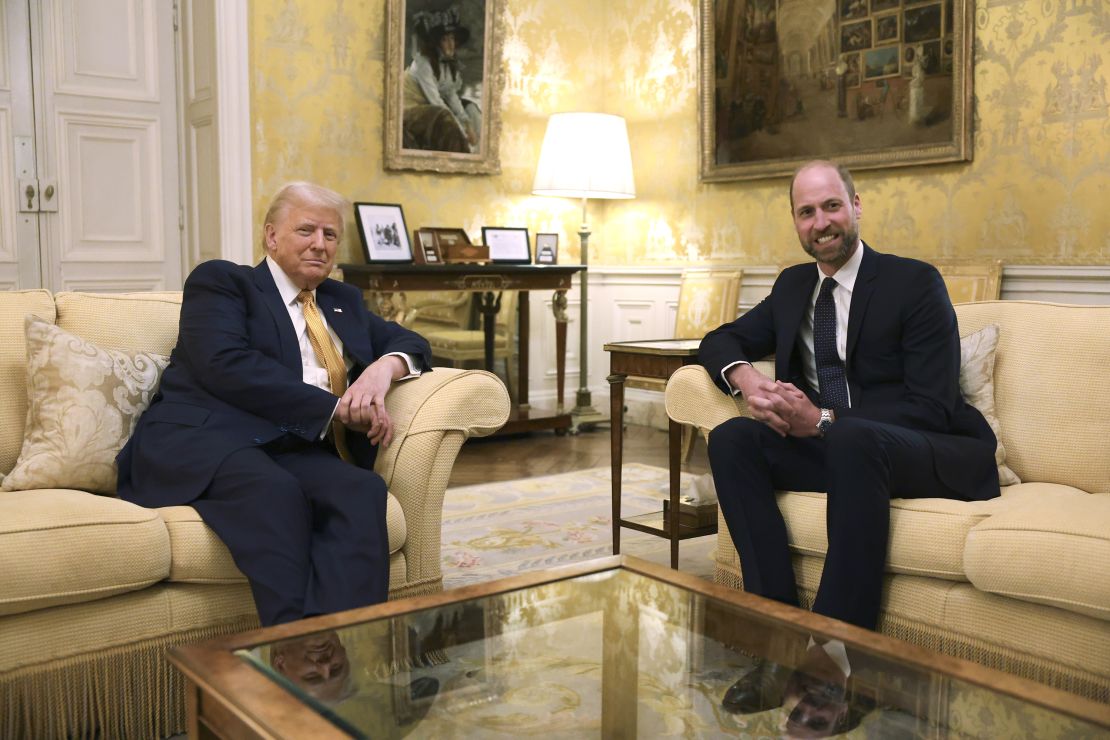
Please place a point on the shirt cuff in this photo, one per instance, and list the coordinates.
(410, 363)
(724, 375)
(324, 431)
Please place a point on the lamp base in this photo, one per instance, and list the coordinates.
(584, 414)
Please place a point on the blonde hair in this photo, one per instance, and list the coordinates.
(301, 192)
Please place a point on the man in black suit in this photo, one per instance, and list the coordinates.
(268, 418)
(866, 405)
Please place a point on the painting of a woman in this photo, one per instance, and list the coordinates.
(437, 113)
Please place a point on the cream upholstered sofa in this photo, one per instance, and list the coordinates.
(1021, 582)
(94, 589)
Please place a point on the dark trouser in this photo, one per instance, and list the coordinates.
(307, 529)
(860, 464)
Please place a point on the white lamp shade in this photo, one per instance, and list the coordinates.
(585, 155)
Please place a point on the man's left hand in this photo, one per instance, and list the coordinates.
(794, 407)
(362, 407)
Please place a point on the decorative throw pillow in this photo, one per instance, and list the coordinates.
(977, 386)
(83, 403)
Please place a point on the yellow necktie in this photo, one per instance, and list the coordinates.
(329, 357)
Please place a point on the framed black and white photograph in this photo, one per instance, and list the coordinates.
(547, 249)
(384, 235)
(507, 244)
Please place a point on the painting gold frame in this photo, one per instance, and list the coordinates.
(754, 85)
(399, 38)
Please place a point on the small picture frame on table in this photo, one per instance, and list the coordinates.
(427, 251)
(507, 244)
(547, 249)
(385, 238)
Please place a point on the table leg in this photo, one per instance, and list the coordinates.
(489, 307)
(559, 308)
(616, 450)
(674, 449)
(524, 317)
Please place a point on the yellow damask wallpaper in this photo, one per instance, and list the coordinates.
(1036, 191)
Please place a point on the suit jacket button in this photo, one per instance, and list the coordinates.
(258, 440)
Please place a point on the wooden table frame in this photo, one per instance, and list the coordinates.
(227, 698)
(389, 282)
(641, 360)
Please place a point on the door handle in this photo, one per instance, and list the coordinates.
(29, 195)
(48, 203)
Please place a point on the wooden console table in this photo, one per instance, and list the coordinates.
(391, 281)
(657, 358)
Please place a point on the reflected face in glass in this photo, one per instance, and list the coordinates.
(316, 663)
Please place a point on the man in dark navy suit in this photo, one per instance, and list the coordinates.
(866, 405)
(269, 416)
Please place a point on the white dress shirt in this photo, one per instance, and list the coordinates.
(313, 372)
(845, 279)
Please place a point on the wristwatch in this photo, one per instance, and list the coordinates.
(825, 423)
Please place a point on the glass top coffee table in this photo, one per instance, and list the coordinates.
(613, 648)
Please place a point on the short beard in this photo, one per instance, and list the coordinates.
(847, 246)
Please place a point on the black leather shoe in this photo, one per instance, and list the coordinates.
(757, 690)
(823, 710)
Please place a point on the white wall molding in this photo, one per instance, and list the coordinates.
(638, 302)
(233, 123)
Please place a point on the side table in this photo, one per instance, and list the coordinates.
(657, 358)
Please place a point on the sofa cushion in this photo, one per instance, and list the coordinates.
(1050, 545)
(198, 555)
(977, 385)
(14, 306)
(926, 534)
(64, 547)
(83, 402)
(1049, 375)
(135, 321)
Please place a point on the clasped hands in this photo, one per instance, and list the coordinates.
(781, 406)
(362, 407)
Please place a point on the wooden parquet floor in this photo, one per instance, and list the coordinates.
(544, 453)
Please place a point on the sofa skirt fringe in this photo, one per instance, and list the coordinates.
(1074, 681)
(127, 692)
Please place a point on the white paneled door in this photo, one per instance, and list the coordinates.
(94, 195)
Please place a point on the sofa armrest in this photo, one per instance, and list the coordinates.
(692, 398)
(432, 416)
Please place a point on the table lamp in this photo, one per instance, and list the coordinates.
(585, 155)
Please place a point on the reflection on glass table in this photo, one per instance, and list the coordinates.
(621, 648)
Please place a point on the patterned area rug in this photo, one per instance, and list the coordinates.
(492, 530)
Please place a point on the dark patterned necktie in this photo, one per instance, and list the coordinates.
(830, 369)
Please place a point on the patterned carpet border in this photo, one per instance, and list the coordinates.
(493, 530)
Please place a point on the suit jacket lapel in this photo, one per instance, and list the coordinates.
(792, 314)
(290, 351)
(343, 319)
(861, 295)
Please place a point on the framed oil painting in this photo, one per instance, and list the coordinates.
(868, 83)
(443, 85)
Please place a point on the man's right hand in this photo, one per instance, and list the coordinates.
(760, 392)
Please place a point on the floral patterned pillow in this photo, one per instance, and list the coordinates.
(83, 403)
(977, 386)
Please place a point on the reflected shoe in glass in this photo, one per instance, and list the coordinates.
(423, 687)
(758, 690)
